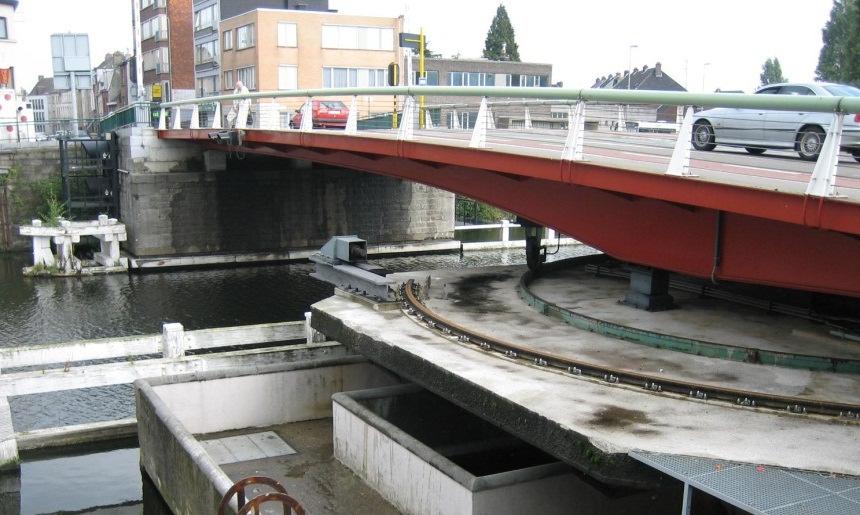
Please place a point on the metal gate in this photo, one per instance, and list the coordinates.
(89, 173)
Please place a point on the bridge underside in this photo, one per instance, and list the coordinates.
(690, 226)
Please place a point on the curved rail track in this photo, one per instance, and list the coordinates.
(654, 384)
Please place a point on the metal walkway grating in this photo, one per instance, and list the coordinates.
(762, 490)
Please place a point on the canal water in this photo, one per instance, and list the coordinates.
(41, 310)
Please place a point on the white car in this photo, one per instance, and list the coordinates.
(759, 129)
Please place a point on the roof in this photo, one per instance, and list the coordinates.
(653, 79)
(44, 86)
(112, 60)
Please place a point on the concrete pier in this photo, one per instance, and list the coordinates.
(592, 424)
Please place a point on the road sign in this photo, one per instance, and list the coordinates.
(409, 40)
(156, 91)
(70, 57)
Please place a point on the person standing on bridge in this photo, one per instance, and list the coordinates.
(233, 115)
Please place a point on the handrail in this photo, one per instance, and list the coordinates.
(676, 98)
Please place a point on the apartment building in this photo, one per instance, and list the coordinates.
(271, 49)
(8, 44)
(167, 46)
(207, 47)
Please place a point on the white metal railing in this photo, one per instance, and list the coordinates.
(504, 227)
(572, 124)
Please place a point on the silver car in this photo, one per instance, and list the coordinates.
(758, 129)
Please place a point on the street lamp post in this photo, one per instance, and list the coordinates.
(630, 64)
(704, 72)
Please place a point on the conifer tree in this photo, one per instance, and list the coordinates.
(501, 45)
(839, 60)
(771, 72)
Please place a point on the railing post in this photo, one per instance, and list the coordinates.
(405, 132)
(307, 116)
(242, 114)
(162, 119)
(216, 118)
(679, 164)
(455, 120)
(506, 230)
(479, 133)
(527, 119)
(622, 119)
(823, 180)
(172, 340)
(352, 118)
(195, 117)
(428, 120)
(176, 123)
(573, 146)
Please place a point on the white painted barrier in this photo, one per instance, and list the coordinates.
(108, 231)
(154, 355)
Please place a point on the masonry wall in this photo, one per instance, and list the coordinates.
(171, 206)
(29, 171)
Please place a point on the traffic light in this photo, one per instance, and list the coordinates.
(393, 74)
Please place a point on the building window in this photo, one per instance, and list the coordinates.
(357, 38)
(228, 40)
(207, 85)
(155, 27)
(245, 36)
(288, 77)
(204, 18)
(353, 77)
(4, 30)
(432, 78)
(206, 52)
(248, 77)
(156, 60)
(38, 104)
(228, 80)
(472, 79)
(147, 3)
(287, 34)
(532, 81)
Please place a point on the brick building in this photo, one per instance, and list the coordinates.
(483, 72)
(272, 49)
(167, 45)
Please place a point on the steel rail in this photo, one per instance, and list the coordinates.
(710, 349)
(676, 98)
(413, 306)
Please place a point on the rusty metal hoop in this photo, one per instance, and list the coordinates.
(238, 489)
(286, 501)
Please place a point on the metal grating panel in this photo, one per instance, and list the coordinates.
(760, 489)
(853, 494)
(820, 506)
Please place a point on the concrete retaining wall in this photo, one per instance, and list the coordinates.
(420, 481)
(170, 205)
(171, 410)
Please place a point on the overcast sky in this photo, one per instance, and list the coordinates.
(582, 39)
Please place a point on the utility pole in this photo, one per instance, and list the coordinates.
(138, 54)
(422, 79)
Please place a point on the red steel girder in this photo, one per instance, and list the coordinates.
(662, 221)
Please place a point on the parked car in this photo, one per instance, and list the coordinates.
(326, 113)
(759, 129)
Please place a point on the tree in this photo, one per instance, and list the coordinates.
(428, 54)
(839, 60)
(500, 44)
(771, 72)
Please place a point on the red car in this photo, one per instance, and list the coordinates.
(326, 114)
